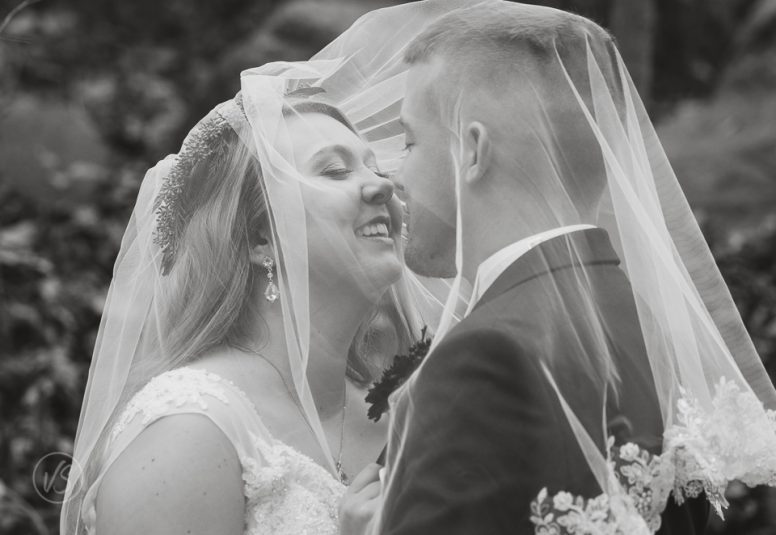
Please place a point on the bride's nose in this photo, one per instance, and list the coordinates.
(377, 190)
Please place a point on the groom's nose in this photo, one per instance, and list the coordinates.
(378, 191)
(398, 186)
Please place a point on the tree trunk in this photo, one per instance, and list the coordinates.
(633, 24)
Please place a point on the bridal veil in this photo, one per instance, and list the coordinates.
(159, 282)
(584, 151)
(581, 123)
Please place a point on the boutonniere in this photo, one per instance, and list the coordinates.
(395, 375)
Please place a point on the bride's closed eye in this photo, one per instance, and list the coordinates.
(336, 171)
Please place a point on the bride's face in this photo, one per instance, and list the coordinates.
(353, 218)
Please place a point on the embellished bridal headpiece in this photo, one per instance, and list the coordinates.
(200, 143)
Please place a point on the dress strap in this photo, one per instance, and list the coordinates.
(186, 391)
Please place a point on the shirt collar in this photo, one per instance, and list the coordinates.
(493, 266)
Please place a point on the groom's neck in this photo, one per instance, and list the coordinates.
(479, 246)
(496, 226)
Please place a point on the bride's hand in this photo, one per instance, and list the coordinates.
(361, 501)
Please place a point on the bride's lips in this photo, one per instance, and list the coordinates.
(378, 228)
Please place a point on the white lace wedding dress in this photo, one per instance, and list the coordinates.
(285, 491)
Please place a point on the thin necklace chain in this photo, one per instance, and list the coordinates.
(340, 472)
(343, 477)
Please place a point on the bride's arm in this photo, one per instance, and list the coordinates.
(180, 475)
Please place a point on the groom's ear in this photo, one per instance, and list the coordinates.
(478, 152)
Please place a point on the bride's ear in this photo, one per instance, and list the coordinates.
(261, 251)
(478, 152)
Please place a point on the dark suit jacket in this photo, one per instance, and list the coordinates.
(487, 431)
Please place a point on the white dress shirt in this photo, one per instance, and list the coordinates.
(493, 266)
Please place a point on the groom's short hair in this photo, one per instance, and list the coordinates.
(499, 26)
(494, 37)
(495, 46)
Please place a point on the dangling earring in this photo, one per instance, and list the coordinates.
(271, 293)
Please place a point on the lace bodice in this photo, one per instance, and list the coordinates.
(285, 491)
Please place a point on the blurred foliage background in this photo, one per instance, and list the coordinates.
(92, 93)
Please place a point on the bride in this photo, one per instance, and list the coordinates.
(259, 290)
(186, 441)
(223, 340)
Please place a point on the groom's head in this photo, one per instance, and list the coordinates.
(487, 99)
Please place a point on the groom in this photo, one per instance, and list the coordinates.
(480, 430)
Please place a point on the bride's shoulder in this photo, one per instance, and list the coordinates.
(183, 464)
(177, 446)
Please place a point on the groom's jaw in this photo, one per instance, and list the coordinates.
(430, 254)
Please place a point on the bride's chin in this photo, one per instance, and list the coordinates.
(381, 278)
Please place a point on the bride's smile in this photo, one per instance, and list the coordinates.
(378, 227)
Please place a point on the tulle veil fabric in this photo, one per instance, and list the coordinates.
(577, 115)
(703, 362)
(361, 75)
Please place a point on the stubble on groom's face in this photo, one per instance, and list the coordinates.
(428, 180)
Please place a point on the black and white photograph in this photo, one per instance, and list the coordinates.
(377, 267)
